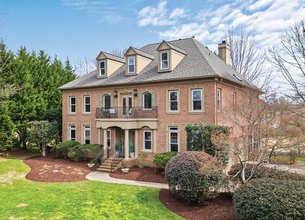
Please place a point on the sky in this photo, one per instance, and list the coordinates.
(79, 29)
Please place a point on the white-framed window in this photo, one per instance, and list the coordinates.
(109, 138)
(87, 104)
(131, 64)
(173, 97)
(147, 100)
(86, 134)
(72, 104)
(107, 102)
(218, 97)
(72, 133)
(173, 139)
(147, 140)
(102, 68)
(164, 60)
(196, 99)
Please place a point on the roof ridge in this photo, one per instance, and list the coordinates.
(112, 54)
(168, 41)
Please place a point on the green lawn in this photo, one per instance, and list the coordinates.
(78, 200)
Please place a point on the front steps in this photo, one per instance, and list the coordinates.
(106, 165)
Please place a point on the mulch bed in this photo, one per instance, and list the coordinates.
(50, 169)
(220, 208)
(146, 174)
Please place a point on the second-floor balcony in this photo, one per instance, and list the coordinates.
(126, 112)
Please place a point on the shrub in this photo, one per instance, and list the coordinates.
(265, 172)
(162, 158)
(201, 137)
(194, 176)
(270, 199)
(84, 152)
(62, 149)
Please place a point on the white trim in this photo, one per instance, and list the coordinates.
(143, 101)
(151, 140)
(169, 100)
(70, 132)
(70, 104)
(169, 137)
(134, 64)
(161, 66)
(86, 128)
(84, 103)
(100, 72)
(192, 100)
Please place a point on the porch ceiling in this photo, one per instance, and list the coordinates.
(130, 123)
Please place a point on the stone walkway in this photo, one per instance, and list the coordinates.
(104, 177)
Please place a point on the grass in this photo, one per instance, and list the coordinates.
(78, 200)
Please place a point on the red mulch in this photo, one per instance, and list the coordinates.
(220, 208)
(50, 169)
(146, 174)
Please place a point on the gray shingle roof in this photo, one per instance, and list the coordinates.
(199, 62)
(174, 47)
(142, 53)
(112, 57)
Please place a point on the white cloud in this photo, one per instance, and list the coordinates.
(159, 15)
(103, 9)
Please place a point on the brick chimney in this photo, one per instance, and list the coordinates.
(224, 52)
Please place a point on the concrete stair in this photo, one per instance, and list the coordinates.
(106, 165)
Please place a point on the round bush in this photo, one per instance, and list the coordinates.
(62, 149)
(270, 199)
(194, 176)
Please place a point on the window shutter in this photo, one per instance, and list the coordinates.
(111, 101)
(153, 100)
(140, 103)
(101, 101)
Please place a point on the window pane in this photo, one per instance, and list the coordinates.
(164, 64)
(147, 145)
(107, 101)
(87, 141)
(131, 68)
(87, 108)
(174, 138)
(196, 95)
(131, 60)
(147, 135)
(87, 100)
(173, 95)
(164, 56)
(72, 100)
(102, 64)
(174, 147)
(72, 134)
(72, 108)
(174, 106)
(147, 100)
(197, 105)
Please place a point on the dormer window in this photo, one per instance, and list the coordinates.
(103, 68)
(164, 59)
(131, 64)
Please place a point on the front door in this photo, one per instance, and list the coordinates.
(126, 104)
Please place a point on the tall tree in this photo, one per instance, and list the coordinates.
(289, 59)
(248, 57)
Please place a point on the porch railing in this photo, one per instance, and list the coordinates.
(121, 112)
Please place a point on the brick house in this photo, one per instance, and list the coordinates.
(146, 99)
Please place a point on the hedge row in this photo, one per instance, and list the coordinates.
(270, 199)
(75, 151)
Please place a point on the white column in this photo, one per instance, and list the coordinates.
(154, 141)
(99, 136)
(136, 143)
(126, 144)
(105, 142)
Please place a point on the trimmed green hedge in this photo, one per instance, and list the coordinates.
(162, 158)
(270, 199)
(61, 150)
(75, 151)
(264, 172)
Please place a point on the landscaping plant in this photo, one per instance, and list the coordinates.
(270, 199)
(161, 159)
(61, 150)
(194, 176)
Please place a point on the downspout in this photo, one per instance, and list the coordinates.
(215, 103)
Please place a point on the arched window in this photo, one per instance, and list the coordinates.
(107, 102)
(147, 100)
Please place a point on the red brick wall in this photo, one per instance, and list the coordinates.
(164, 118)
